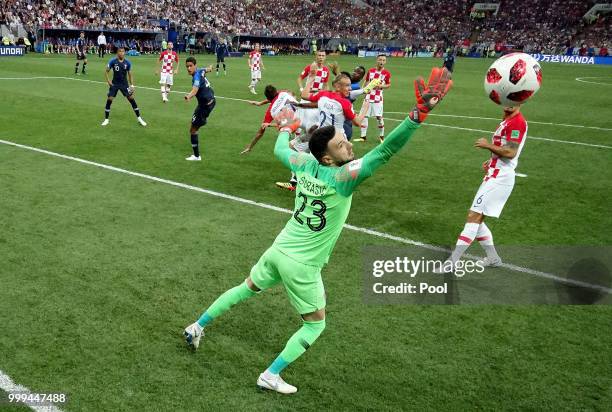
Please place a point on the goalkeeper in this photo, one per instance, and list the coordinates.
(327, 178)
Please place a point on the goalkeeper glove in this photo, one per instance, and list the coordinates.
(428, 96)
(373, 84)
(287, 121)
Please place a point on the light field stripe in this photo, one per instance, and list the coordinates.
(581, 79)
(530, 121)
(599, 146)
(287, 211)
(386, 118)
(7, 385)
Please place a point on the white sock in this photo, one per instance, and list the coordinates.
(485, 238)
(464, 240)
(268, 374)
(364, 127)
(381, 127)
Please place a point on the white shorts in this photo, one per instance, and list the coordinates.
(166, 78)
(375, 110)
(308, 117)
(491, 198)
(256, 74)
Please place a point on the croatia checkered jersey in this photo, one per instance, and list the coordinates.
(167, 58)
(501, 169)
(320, 79)
(282, 99)
(376, 96)
(255, 60)
(333, 108)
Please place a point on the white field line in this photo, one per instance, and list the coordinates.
(386, 118)
(601, 146)
(287, 211)
(7, 385)
(581, 79)
(530, 121)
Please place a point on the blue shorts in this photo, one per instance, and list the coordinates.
(201, 113)
(348, 129)
(112, 91)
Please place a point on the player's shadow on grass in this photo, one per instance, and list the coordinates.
(586, 271)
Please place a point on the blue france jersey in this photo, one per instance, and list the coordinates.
(205, 92)
(221, 49)
(80, 45)
(354, 86)
(120, 70)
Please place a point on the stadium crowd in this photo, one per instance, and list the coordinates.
(549, 26)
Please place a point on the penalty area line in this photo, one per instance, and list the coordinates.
(7, 385)
(371, 232)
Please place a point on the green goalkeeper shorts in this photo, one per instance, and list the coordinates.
(302, 282)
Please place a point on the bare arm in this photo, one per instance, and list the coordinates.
(508, 150)
(358, 120)
(130, 79)
(306, 91)
(261, 103)
(258, 136)
(193, 92)
(309, 105)
(106, 76)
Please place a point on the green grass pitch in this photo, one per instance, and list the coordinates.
(100, 271)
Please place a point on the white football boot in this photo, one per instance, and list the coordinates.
(194, 158)
(275, 383)
(105, 122)
(193, 333)
(142, 122)
(490, 262)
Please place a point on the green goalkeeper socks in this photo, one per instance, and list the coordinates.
(297, 345)
(225, 302)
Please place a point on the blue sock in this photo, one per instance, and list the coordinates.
(205, 319)
(195, 145)
(278, 365)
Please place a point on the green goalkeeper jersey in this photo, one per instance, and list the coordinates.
(324, 194)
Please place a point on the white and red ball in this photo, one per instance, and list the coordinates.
(513, 79)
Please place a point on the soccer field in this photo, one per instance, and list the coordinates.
(111, 243)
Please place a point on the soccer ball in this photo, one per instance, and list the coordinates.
(513, 79)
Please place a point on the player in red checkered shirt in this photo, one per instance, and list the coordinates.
(167, 59)
(321, 77)
(505, 147)
(375, 97)
(256, 65)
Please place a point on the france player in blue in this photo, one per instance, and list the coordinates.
(81, 45)
(449, 60)
(121, 68)
(221, 50)
(201, 89)
(356, 78)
